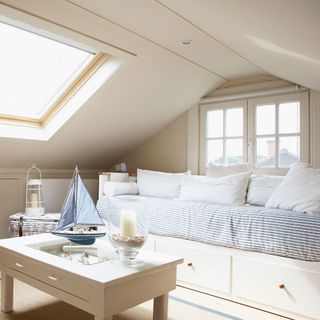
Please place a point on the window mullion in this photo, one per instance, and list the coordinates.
(224, 135)
(277, 151)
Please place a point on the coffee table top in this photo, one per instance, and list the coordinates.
(102, 272)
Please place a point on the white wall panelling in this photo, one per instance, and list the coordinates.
(11, 200)
(55, 185)
(315, 128)
(193, 139)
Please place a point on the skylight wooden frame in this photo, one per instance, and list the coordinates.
(67, 94)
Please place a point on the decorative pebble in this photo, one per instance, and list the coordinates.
(136, 241)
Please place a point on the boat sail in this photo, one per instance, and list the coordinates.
(79, 216)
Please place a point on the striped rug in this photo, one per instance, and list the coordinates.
(184, 304)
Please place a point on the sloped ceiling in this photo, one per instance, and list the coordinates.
(230, 39)
(280, 37)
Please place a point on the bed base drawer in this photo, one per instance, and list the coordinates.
(201, 268)
(278, 286)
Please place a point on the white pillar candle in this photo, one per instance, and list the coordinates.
(128, 223)
(34, 199)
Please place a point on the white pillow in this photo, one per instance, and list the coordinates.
(217, 171)
(112, 188)
(226, 190)
(261, 188)
(299, 191)
(159, 184)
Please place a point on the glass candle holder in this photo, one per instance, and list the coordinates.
(128, 232)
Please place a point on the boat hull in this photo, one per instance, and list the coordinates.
(80, 238)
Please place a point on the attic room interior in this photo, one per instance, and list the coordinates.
(160, 159)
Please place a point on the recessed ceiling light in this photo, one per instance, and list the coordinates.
(186, 42)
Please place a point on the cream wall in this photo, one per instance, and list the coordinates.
(55, 185)
(166, 151)
(176, 147)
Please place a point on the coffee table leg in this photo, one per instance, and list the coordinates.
(160, 307)
(6, 293)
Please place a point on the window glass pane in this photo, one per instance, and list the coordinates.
(265, 152)
(215, 123)
(265, 119)
(33, 70)
(215, 151)
(234, 122)
(234, 151)
(289, 117)
(289, 151)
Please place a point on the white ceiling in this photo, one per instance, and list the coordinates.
(280, 37)
(231, 39)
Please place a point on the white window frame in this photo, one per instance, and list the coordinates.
(249, 128)
(302, 97)
(204, 109)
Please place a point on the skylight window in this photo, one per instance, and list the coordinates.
(36, 73)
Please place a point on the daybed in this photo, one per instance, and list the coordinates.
(264, 257)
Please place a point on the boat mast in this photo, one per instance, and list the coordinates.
(76, 173)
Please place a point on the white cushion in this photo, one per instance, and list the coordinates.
(111, 188)
(159, 184)
(299, 191)
(217, 171)
(261, 188)
(226, 190)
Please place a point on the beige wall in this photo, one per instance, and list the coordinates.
(167, 151)
(55, 185)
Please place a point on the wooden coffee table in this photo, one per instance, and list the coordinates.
(102, 289)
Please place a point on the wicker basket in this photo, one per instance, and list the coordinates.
(22, 225)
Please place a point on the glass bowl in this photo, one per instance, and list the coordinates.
(128, 232)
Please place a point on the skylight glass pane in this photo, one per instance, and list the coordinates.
(34, 70)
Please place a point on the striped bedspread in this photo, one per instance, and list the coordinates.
(272, 231)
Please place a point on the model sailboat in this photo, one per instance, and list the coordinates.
(79, 217)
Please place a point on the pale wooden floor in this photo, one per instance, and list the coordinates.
(184, 304)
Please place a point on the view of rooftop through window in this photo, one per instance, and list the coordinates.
(35, 71)
(278, 134)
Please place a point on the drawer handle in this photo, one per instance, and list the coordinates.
(19, 265)
(53, 278)
(189, 264)
(282, 286)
